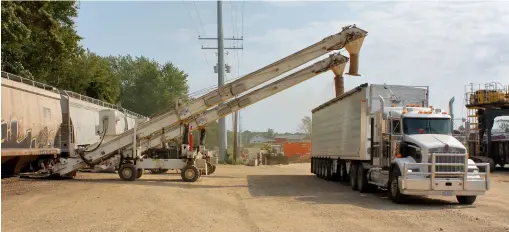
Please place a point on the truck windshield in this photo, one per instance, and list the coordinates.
(426, 126)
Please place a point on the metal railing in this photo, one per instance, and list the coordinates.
(75, 95)
(461, 172)
(489, 93)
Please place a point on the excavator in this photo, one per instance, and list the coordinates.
(140, 147)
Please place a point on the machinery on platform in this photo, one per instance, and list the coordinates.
(273, 154)
(485, 103)
(195, 115)
(387, 136)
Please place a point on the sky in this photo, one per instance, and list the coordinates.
(444, 45)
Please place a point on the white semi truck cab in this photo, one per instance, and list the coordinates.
(389, 137)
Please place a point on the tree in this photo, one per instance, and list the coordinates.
(306, 125)
(92, 75)
(270, 133)
(146, 87)
(39, 40)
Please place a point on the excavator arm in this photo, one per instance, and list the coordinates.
(196, 112)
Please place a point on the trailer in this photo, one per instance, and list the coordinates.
(136, 147)
(389, 137)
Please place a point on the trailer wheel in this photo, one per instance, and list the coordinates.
(396, 196)
(344, 173)
(466, 200)
(190, 173)
(127, 172)
(328, 169)
(318, 168)
(362, 180)
(353, 176)
(140, 173)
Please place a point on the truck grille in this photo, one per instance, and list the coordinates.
(448, 160)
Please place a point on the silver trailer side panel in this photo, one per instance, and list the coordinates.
(410, 94)
(340, 126)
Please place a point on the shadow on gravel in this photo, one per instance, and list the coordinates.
(311, 189)
(112, 178)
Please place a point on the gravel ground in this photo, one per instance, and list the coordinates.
(236, 198)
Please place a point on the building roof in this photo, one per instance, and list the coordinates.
(290, 137)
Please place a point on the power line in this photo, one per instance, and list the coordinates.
(199, 18)
(197, 32)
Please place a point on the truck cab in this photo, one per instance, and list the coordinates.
(423, 158)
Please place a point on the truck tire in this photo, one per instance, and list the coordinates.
(320, 168)
(127, 172)
(362, 180)
(328, 169)
(466, 200)
(190, 173)
(395, 194)
(344, 173)
(140, 173)
(353, 176)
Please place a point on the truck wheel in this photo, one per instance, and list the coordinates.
(190, 174)
(328, 170)
(319, 168)
(140, 173)
(353, 176)
(344, 173)
(466, 200)
(127, 172)
(362, 180)
(213, 169)
(396, 196)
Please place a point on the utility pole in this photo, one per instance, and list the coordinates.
(235, 142)
(220, 75)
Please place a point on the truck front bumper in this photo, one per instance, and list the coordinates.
(444, 187)
(464, 181)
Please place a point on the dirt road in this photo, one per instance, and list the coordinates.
(238, 199)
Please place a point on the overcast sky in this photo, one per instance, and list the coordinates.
(443, 45)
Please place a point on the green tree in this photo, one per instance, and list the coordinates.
(146, 87)
(270, 133)
(39, 39)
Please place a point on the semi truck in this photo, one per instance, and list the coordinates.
(389, 137)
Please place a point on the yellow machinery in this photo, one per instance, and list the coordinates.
(484, 103)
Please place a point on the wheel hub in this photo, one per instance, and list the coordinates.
(126, 172)
(189, 173)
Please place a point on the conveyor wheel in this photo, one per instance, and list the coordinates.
(128, 172)
(211, 168)
(140, 173)
(190, 173)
